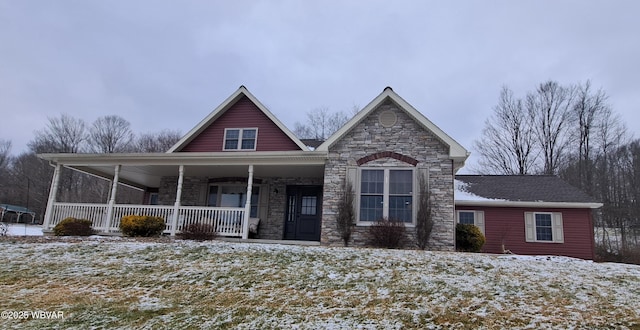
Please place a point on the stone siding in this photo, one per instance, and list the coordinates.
(406, 138)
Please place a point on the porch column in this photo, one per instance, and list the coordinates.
(247, 205)
(176, 205)
(52, 197)
(112, 199)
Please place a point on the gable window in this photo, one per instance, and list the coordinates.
(240, 138)
(475, 218)
(386, 193)
(544, 227)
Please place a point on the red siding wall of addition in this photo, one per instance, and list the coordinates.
(506, 226)
(243, 114)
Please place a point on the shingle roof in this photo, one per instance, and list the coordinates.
(523, 188)
(313, 143)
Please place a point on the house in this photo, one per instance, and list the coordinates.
(527, 214)
(241, 165)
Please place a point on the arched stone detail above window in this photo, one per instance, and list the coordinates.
(387, 154)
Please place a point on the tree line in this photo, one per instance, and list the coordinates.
(570, 131)
(25, 179)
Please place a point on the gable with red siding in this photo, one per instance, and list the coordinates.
(243, 114)
(506, 225)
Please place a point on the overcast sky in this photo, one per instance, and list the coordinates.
(167, 64)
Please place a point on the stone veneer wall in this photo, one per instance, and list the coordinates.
(408, 138)
(195, 190)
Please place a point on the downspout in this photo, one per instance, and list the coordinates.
(176, 205)
(112, 199)
(52, 197)
(247, 205)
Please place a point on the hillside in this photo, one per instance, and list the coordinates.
(120, 283)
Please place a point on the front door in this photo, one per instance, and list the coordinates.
(304, 210)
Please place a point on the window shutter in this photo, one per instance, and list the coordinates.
(529, 227)
(352, 177)
(479, 221)
(558, 234)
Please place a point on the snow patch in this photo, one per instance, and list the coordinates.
(20, 229)
(461, 193)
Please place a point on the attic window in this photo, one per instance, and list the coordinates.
(240, 138)
(388, 119)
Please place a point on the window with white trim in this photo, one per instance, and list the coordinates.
(470, 217)
(234, 196)
(240, 138)
(544, 227)
(386, 193)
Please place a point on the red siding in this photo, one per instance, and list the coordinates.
(243, 114)
(507, 224)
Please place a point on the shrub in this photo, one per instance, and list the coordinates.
(73, 227)
(424, 222)
(199, 232)
(141, 225)
(469, 238)
(387, 233)
(346, 214)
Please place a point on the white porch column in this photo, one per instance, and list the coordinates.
(247, 205)
(52, 196)
(176, 205)
(112, 199)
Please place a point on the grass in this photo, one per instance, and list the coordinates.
(183, 284)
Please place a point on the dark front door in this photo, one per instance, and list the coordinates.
(302, 219)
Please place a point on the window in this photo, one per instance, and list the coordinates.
(153, 198)
(472, 218)
(386, 193)
(234, 196)
(466, 217)
(309, 205)
(240, 138)
(544, 227)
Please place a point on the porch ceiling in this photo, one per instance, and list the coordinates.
(146, 170)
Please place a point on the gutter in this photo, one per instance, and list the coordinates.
(502, 203)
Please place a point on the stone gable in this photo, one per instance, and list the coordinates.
(376, 134)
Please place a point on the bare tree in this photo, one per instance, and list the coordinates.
(64, 134)
(507, 142)
(110, 134)
(589, 112)
(29, 182)
(320, 124)
(549, 109)
(5, 153)
(157, 142)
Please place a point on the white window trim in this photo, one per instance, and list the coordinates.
(239, 146)
(557, 231)
(478, 219)
(219, 195)
(385, 196)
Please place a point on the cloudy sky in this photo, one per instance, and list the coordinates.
(167, 64)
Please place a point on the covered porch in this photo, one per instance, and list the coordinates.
(234, 193)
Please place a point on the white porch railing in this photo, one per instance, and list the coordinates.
(227, 221)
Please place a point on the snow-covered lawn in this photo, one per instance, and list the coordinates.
(123, 283)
